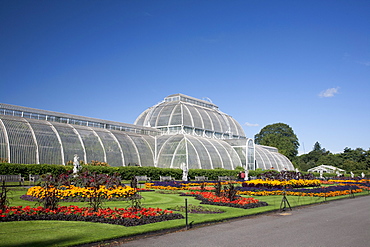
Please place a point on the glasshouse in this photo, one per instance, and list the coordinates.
(179, 130)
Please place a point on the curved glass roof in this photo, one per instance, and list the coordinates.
(196, 152)
(192, 116)
(269, 158)
(32, 141)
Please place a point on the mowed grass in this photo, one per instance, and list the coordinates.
(67, 233)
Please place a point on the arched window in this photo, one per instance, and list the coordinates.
(250, 155)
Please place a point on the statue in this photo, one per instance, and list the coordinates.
(76, 165)
(362, 174)
(352, 175)
(246, 172)
(184, 168)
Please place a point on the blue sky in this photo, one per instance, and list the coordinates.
(303, 63)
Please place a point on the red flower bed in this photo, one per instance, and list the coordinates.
(119, 216)
(240, 202)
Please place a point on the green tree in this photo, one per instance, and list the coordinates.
(330, 160)
(317, 148)
(317, 156)
(281, 136)
(357, 155)
(356, 159)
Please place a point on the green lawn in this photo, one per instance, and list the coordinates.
(63, 233)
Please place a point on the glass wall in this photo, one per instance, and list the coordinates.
(32, 141)
(270, 158)
(250, 155)
(196, 152)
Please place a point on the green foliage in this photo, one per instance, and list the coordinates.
(230, 192)
(325, 175)
(218, 188)
(350, 160)
(239, 169)
(359, 156)
(101, 169)
(303, 162)
(94, 181)
(136, 202)
(212, 174)
(35, 169)
(281, 136)
(50, 184)
(13, 169)
(317, 148)
(127, 172)
(4, 200)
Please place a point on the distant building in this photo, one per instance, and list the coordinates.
(180, 129)
(326, 169)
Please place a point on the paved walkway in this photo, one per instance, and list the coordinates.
(337, 223)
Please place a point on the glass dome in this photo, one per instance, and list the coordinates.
(179, 113)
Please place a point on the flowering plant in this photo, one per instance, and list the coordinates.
(329, 191)
(66, 192)
(295, 183)
(181, 185)
(119, 216)
(239, 202)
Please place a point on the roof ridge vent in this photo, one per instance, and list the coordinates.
(188, 99)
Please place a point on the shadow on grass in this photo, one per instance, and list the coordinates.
(62, 241)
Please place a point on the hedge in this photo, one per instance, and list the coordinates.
(126, 172)
(36, 169)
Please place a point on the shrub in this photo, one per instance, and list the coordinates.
(95, 181)
(4, 200)
(51, 183)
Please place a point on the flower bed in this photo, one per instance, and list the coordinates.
(295, 183)
(117, 216)
(75, 196)
(321, 191)
(197, 185)
(180, 185)
(362, 183)
(240, 202)
(201, 188)
(82, 192)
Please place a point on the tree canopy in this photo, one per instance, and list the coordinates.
(350, 159)
(281, 136)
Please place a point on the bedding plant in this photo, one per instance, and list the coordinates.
(97, 188)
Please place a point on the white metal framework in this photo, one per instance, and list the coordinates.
(179, 130)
